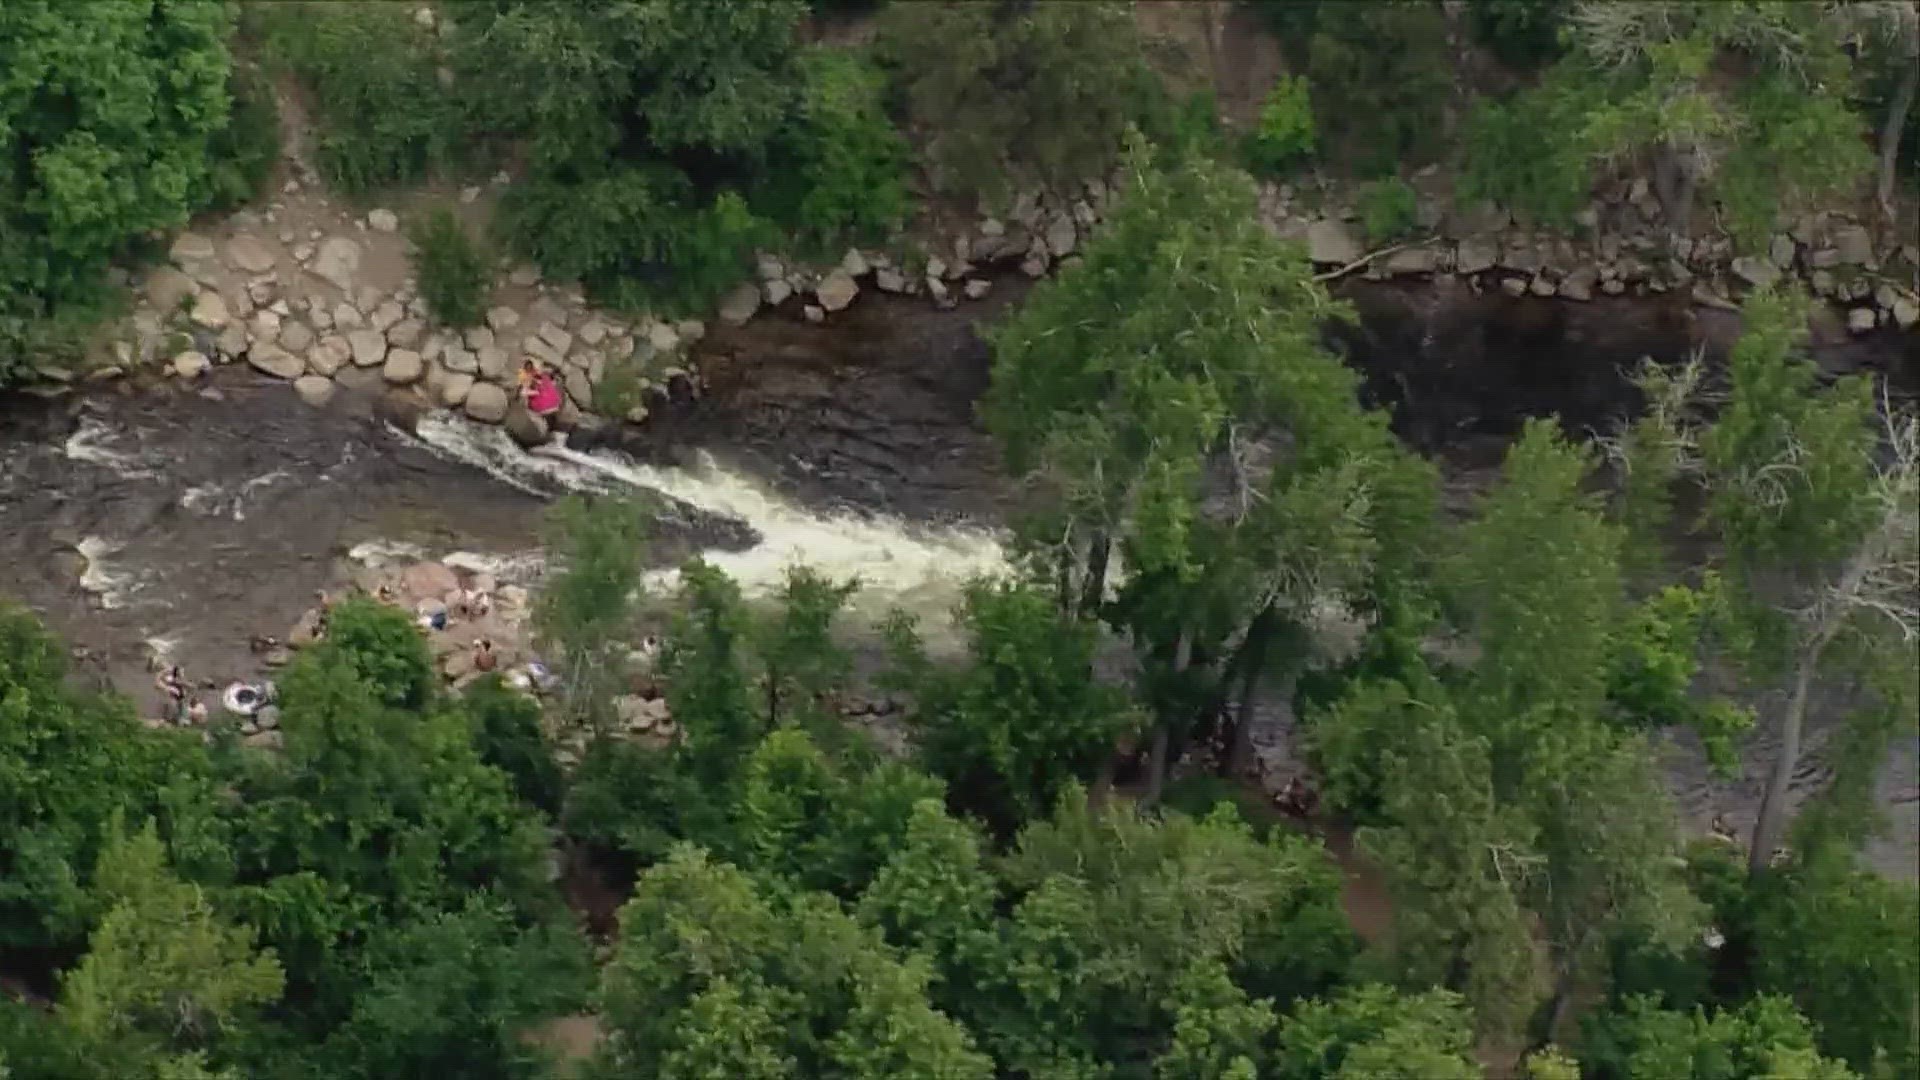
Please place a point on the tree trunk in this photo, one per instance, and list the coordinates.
(1896, 123)
(1157, 763)
(1239, 760)
(1094, 589)
(1772, 824)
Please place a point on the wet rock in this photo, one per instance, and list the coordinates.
(740, 304)
(337, 260)
(486, 402)
(405, 334)
(210, 311)
(527, 429)
(276, 361)
(454, 388)
(369, 347)
(167, 289)
(295, 337)
(315, 390)
(250, 254)
(1860, 320)
(403, 367)
(1759, 273)
(329, 355)
(385, 221)
(502, 319)
(836, 290)
(190, 364)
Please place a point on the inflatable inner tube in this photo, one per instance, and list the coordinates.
(243, 699)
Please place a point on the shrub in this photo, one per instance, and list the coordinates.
(454, 272)
(1525, 153)
(1285, 136)
(1381, 75)
(1523, 34)
(840, 168)
(1389, 209)
(243, 153)
(383, 115)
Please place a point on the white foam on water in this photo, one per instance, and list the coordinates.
(380, 553)
(519, 568)
(111, 585)
(90, 443)
(919, 568)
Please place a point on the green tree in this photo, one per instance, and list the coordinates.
(585, 614)
(163, 974)
(108, 126)
(1009, 92)
(1763, 1038)
(1374, 1031)
(1023, 717)
(712, 977)
(1782, 133)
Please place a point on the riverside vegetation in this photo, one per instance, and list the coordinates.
(1062, 874)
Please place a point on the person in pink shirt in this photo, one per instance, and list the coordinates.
(541, 389)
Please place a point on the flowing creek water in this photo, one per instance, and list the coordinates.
(183, 521)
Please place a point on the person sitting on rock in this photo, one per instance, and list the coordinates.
(173, 683)
(484, 658)
(196, 713)
(542, 390)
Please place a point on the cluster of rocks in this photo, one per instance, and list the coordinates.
(1621, 248)
(299, 312)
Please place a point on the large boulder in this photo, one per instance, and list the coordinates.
(250, 254)
(1475, 255)
(329, 355)
(403, 366)
(190, 364)
(369, 347)
(383, 221)
(527, 429)
(167, 288)
(210, 311)
(1756, 271)
(1853, 244)
(739, 305)
(836, 290)
(487, 402)
(295, 336)
(494, 363)
(1330, 241)
(314, 390)
(1061, 236)
(454, 388)
(276, 361)
(337, 260)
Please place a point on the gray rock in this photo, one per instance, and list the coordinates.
(992, 227)
(593, 333)
(383, 221)
(478, 337)
(1821, 282)
(486, 402)
(295, 337)
(1475, 255)
(250, 254)
(1756, 271)
(346, 316)
(386, 316)
(836, 290)
(1853, 244)
(403, 366)
(210, 311)
(268, 718)
(405, 334)
(502, 318)
(777, 291)
(662, 337)
(524, 276)
(741, 302)
(369, 347)
(1542, 287)
(853, 262)
(1513, 286)
(1521, 255)
(1824, 258)
(455, 388)
(1481, 217)
(1906, 311)
(1579, 284)
(580, 388)
(233, 341)
(276, 361)
(265, 740)
(690, 330)
(938, 290)
(556, 337)
(167, 288)
(336, 260)
(315, 390)
(890, 280)
(190, 364)
(1034, 266)
(1061, 236)
(190, 247)
(541, 351)
(329, 356)
(1330, 241)
(936, 267)
(494, 363)
(527, 429)
(1781, 250)
(546, 310)
(813, 313)
(1414, 260)
(460, 360)
(1860, 320)
(302, 252)
(357, 379)
(1613, 286)
(977, 288)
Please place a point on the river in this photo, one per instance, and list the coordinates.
(164, 519)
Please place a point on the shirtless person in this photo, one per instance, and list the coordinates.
(173, 683)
